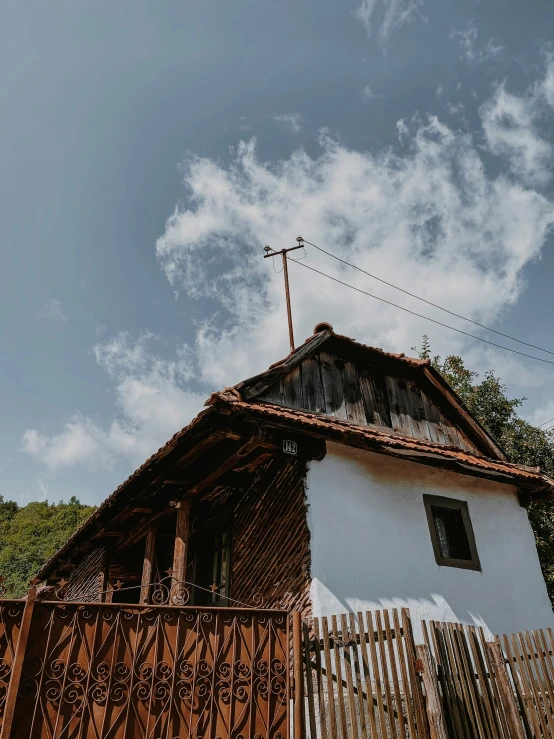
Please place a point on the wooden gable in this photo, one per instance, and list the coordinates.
(369, 387)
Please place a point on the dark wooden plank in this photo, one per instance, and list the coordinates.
(355, 411)
(256, 386)
(417, 411)
(399, 406)
(291, 388)
(434, 420)
(331, 375)
(374, 397)
(312, 386)
(273, 394)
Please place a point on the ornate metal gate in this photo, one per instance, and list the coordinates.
(107, 671)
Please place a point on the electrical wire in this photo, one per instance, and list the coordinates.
(419, 315)
(423, 300)
(544, 424)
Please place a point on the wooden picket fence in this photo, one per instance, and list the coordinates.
(363, 677)
(360, 679)
(498, 689)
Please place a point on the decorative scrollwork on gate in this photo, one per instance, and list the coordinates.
(108, 670)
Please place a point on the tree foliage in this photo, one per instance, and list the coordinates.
(522, 442)
(31, 534)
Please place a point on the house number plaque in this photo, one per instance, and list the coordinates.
(289, 446)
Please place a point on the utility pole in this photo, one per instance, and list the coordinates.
(283, 252)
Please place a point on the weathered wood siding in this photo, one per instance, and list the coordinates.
(366, 395)
(84, 580)
(270, 549)
(271, 540)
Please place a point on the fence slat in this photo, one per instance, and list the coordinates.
(490, 717)
(498, 664)
(404, 675)
(370, 699)
(376, 676)
(416, 685)
(385, 673)
(394, 672)
(357, 673)
(437, 725)
(319, 680)
(329, 675)
(338, 670)
(309, 681)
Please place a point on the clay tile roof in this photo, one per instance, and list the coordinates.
(385, 439)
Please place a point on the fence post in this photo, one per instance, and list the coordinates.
(505, 689)
(17, 666)
(298, 701)
(433, 705)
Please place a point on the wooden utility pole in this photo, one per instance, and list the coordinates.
(283, 252)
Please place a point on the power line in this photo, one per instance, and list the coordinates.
(423, 300)
(544, 424)
(419, 315)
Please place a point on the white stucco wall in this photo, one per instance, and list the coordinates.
(371, 547)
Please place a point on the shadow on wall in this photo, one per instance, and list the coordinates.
(434, 608)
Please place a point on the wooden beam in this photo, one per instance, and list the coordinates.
(182, 530)
(140, 529)
(256, 440)
(148, 564)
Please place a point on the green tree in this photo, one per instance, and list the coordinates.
(29, 536)
(522, 442)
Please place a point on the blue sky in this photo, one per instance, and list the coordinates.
(150, 150)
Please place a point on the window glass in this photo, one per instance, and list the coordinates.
(451, 533)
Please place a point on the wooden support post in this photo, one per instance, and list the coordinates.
(182, 529)
(17, 666)
(148, 564)
(298, 677)
(104, 575)
(507, 696)
(433, 705)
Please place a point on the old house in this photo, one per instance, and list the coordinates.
(342, 478)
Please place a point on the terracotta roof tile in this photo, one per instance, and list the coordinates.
(394, 440)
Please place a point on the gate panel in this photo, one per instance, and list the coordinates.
(11, 613)
(103, 671)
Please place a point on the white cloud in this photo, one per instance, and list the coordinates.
(510, 127)
(53, 311)
(468, 45)
(289, 121)
(430, 219)
(152, 401)
(367, 93)
(387, 14)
